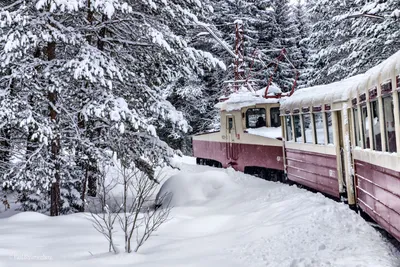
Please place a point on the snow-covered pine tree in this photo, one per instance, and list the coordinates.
(288, 37)
(83, 79)
(376, 39)
(49, 64)
(346, 46)
(332, 39)
(259, 31)
(302, 23)
(191, 90)
(268, 27)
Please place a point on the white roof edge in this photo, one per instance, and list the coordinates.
(343, 90)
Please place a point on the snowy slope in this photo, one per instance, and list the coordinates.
(253, 223)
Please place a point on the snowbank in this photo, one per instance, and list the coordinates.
(177, 161)
(239, 221)
(270, 132)
(28, 217)
(185, 189)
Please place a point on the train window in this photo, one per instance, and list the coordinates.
(255, 118)
(307, 128)
(329, 127)
(230, 124)
(289, 130)
(297, 129)
(376, 127)
(356, 127)
(319, 128)
(365, 124)
(275, 119)
(390, 130)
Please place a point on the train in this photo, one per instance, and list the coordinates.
(341, 139)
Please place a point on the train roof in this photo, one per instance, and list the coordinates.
(343, 90)
(322, 94)
(245, 98)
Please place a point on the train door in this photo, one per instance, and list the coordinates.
(344, 146)
(231, 147)
(341, 153)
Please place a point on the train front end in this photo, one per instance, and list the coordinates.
(249, 139)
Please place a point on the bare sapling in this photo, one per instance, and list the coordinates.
(140, 215)
(102, 214)
(104, 223)
(152, 219)
(105, 188)
(6, 204)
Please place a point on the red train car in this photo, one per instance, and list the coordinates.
(343, 139)
(250, 139)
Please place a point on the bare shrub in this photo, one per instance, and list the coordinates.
(104, 222)
(104, 209)
(135, 209)
(5, 202)
(139, 213)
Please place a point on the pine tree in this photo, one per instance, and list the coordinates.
(288, 38)
(82, 80)
(345, 46)
(332, 40)
(376, 39)
(301, 22)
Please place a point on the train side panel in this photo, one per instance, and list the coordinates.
(248, 150)
(378, 187)
(313, 166)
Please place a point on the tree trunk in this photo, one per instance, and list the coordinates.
(5, 145)
(90, 18)
(91, 173)
(55, 142)
(30, 143)
(92, 168)
(102, 34)
(81, 120)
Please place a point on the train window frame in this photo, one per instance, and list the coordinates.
(329, 129)
(375, 113)
(275, 111)
(387, 127)
(317, 136)
(365, 132)
(297, 128)
(356, 127)
(305, 139)
(288, 121)
(255, 126)
(230, 123)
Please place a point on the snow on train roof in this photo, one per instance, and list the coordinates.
(342, 90)
(321, 94)
(245, 98)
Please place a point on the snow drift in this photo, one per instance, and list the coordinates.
(225, 219)
(193, 189)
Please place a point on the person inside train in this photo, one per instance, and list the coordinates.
(260, 122)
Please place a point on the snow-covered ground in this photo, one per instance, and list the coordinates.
(231, 219)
